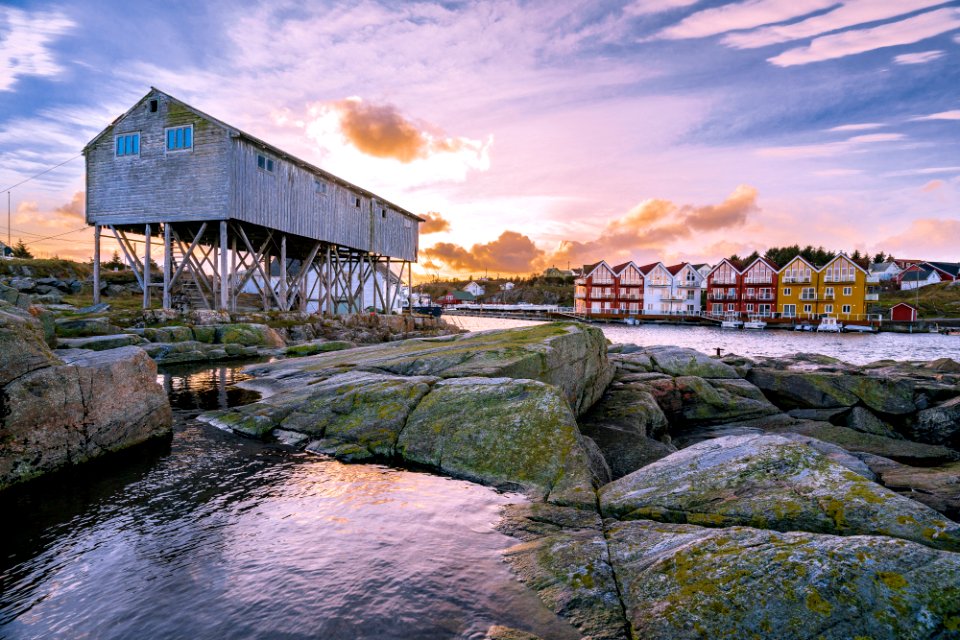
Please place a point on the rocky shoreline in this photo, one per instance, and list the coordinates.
(672, 494)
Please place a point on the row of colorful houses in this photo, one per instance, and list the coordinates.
(798, 289)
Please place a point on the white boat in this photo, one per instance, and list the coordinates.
(830, 325)
(755, 322)
(859, 328)
(806, 326)
(731, 322)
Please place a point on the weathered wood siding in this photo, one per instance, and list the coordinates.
(289, 199)
(158, 185)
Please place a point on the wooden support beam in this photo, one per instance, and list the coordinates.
(266, 277)
(132, 260)
(167, 264)
(329, 276)
(284, 302)
(188, 253)
(224, 273)
(96, 264)
(146, 267)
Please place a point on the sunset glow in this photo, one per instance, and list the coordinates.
(529, 134)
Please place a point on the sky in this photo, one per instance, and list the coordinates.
(528, 134)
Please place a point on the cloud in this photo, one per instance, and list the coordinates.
(741, 15)
(511, 253)
(655, 223)
(922, 172)
(382, 131)
(646, 7)
(920, 57)
(434, 223)
(848, 43)
(925, 237)
(847, 14)
(75, 209)
(933, 185)
(943, 115)
(25, 45)
(837, 173)
(855, 144)
(862, 126)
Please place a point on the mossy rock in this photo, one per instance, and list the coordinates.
(679, 361)
(772, 483)
(683, 581)
(248, 335)
(513, 434)
(904, 451)
(313, 348)
(204, 333)
(352, 416)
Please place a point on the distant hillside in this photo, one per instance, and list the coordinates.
(935, 301)
(533, 290)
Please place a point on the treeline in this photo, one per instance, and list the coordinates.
(817, 256)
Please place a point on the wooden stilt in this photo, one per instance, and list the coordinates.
(167, 264)
(224, 274)
(146, 268)
(96, 264)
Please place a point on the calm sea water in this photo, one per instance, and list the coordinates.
(216, 536)
(850, 347)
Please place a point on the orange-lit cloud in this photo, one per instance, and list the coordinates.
(434, 223)
(655, 223)
(924, 237)
(75, 209)
(512, 252)
(933, 185)
(380, 130)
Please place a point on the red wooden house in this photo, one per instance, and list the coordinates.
(759, 288)
(629, 287)
(595, 290)
(724, 289)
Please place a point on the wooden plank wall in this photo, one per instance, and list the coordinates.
(156, 185)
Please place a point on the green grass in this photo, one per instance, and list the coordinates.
(935, 301)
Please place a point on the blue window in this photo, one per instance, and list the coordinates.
(180, 138)
(265, 163)
(128, 144)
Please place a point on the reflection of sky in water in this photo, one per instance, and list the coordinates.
(230, 537)
(206, 387)
(850, 347)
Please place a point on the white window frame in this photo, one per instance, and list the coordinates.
(848, 291)
(847, 309)
(269, 164)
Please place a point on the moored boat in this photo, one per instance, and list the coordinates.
(755, 322)
(829, 325)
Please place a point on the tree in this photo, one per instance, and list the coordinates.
(20, 250)
(879, 258)
(115, 262)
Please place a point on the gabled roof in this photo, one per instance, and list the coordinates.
(618, 269)
(904, 304)
(804, 260)
(770, 263)
(837, 257)
(721, 263)
(674, 269)
(647, 268)
(234, 132)
(881, 267)
(466, 296)
(588, 269)
(919, 276)
(950, 268)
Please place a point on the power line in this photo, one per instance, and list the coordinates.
(65, 233)
(48, 170)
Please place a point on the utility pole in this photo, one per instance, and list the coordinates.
(8, 221)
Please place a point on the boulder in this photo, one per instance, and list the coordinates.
(860, 419)
(689, 401)
(94, 403)
(100, 343)
(509, 433)
(772, 483)
(191, 351)
(904, 451)
(564, 559)
(567, 355)
(319, 346)
(684, 581)
(627, 425)
(937, 425)
(84, 327)
(22, 345)
(169, 334)
(15, 297)
(248, 335)
(679, 361)
(355, 415)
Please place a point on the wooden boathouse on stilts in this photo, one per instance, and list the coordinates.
(227, 213)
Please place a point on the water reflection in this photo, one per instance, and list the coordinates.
(202, 387)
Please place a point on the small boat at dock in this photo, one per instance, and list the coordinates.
(731, 322)
(756, 323)
(829, 325)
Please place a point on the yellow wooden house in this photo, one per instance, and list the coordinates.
(837, 289)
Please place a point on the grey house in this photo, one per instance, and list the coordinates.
(216, 205)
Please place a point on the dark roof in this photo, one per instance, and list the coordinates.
(922, 274)
(620, 267)
(466, 296)
(904, 304)
(303, 164)
(953, 268)
(645, 269)
(675, 269)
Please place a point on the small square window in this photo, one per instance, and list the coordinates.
(320, 186)
(153, 106)
(265, 163)
(357, 202)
